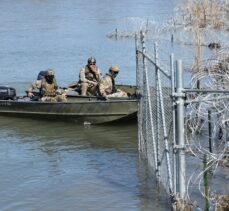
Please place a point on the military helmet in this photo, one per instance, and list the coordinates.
(91, 60)
(49, 72)
(114, 69)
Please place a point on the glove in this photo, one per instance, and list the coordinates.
(105, 97)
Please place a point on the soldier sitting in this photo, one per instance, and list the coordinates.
(89, 78)
(107, 84)
(48, 89)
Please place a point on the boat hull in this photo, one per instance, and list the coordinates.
(79, 110)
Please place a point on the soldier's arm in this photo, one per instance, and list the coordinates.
(35, 85)
(82, 76)
(99, 75)
(102, 87)
(55, 83)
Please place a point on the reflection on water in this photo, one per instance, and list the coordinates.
(56, 166)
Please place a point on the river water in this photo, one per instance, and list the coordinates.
(62, 166)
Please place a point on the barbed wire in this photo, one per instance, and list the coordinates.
(208, 115)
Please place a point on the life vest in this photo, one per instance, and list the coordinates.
(47, 89)
(113, 85)
(113, 88)
(90, 75)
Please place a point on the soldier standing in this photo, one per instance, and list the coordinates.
(107, 84)
(89, 78)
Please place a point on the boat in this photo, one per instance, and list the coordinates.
(79, 109)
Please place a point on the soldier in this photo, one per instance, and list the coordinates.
(107, 84)
(48, 89)
(89, 78)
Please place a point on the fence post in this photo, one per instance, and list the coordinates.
(116, 33)
(172, 72)
(137, 65)
(180, 129)
(158, 140)
(163, 123)
(139, 89)
(210, 131)
(148, 95)
(142, 103)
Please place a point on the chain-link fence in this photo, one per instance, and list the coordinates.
(155, 116)
(174, 122)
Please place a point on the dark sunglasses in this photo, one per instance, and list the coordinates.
(92, 63)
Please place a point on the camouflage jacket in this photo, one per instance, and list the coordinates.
(107, 85)
(86, 75)
(45, 88)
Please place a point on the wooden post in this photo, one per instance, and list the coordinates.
(116, 33)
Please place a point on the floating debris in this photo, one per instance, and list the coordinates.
(87, 123)
(214, 45)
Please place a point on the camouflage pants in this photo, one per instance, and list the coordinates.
(58, 98)
(88, 89)
(119, 93)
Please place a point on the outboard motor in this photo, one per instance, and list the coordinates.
(7, 93)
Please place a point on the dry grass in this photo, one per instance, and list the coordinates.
(222, 203)
(204, 13)
(199, 15)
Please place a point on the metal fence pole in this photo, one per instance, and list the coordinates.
(139, 88)
(172, 72)
(136, 53)
(180, 129)
(158, 111)
(143, 102)
(149, 102)
(162, 116)
(137, 58)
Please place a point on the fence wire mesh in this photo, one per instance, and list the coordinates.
(155, 117)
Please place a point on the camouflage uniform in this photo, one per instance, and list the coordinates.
(86, 77)
(48, 91)
(107, 87)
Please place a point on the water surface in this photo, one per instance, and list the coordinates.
(59, 166)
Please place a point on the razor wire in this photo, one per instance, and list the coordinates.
(207, 119)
